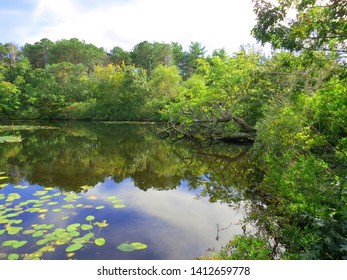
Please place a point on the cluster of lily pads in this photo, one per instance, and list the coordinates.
(36, 240)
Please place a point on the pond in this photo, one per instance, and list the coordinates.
(115, 191)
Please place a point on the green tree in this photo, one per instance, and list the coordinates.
(119, 56)
(190, 64)
(9, 98)
(76, 52)
(304, 24)
(38, 53)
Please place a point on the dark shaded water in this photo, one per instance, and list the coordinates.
(66, 188)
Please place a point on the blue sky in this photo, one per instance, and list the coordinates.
(109, 23)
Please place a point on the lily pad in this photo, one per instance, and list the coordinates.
(74, 247)
(90, 218)
(126, 247)
(19, 244)
(99, 241)
(73, 227)
(13, 256)
(138, 245)
(86, 227)
(38, 233)
(13, 230)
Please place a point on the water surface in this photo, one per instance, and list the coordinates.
(136, 188)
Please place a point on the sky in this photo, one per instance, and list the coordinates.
(215, 24)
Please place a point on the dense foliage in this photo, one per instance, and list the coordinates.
(292, 105)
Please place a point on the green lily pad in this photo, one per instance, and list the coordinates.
(39, 193)
(125, 247)
(38, 233)
(74, 247)
(72, 227)
(68, 206)
(90, 218)
(100, 241)
(20, 187)
(13, 230)
(29, 231)
(112, 197)
(9, 243)
(74, 233)
(99, 207)
(16, 222)
(52, 203)
(138, 246)
(13, 256)
(86, 227)
(19, 244)
(42, 242)
(43, 226)
(2, 231)
(118, 206)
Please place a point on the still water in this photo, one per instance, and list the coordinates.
(115, 191)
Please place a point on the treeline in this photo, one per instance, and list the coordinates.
(70, 79)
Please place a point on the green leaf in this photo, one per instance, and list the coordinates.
(42, 241)
(19, 244)
(99, 241)
(73, 227)
(86, 227)
(29, 231)
(125, 247)
(90, 218)
(13, 256)
(43, 226)
(38, 233)
(13, 230)
(9, 243)
(99, 207)
(118, 206)
(138, 245)
(74, 247)
(68, 206)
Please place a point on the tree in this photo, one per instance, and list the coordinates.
(221, 101)
(76, 52)
(38, 53)
(190, 64)
(178, 55)
(142, 55)
(302, 24)
(9, 97)
(119, 56)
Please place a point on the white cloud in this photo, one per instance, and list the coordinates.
(216, 24)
